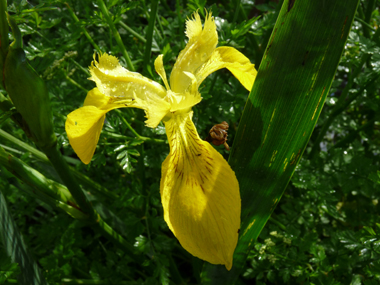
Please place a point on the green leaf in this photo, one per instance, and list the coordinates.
(15, 248)
(122, 154)
(293, 80)
(133, 151)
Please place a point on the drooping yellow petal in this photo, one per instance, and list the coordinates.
(198, 50)
(83, 126)
(200, 194)
(115, 81)
(235, 61)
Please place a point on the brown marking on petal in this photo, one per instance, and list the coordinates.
(203, 189)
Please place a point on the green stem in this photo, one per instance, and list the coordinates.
(243, 12)
(149, 36)
(73, 82)
(71, 12)
(236, 15)
(115, 237)
(17, 43)
(116, 34)
(144, 8)
(161, 28)
(85, 70)
(145, 139)
(273, 220)
(364, 23)
(367, 17)
(180, 22)
(133, 32)
(47, 189)
(93, 281)
(60, 193)
(177, 278)
(85, 180)
(4, 41)
(69, 180)
(38, 154)
(127, 124)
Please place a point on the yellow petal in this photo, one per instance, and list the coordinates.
(235, 61)
(184, 101)
(83, 126)
(159, 66)
(200, 194)
(202, 42)
(115, 81)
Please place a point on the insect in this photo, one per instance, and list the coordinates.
(218, 135)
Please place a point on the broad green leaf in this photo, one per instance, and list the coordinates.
(49, 191)
(292, 83)
(15, 248)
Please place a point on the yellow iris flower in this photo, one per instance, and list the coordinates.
(199, 190)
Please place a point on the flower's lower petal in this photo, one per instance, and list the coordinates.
(200, 194)
(83, 127)
(234, 61)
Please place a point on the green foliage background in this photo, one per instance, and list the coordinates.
(324, 230)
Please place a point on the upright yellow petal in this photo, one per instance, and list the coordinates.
(234, 61)
(200, 194)
(159, 66)
(198, 50)
(115, 81)
(83, 126)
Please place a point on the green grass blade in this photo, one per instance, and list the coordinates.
(293, 81)
(15, 248)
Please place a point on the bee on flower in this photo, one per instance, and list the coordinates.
(199, 190)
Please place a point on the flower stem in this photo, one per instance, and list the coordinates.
(236, 15)
(71, 12)
(68, 179)
(85, 180)
(127, 124)
(116, 34)
(145, 139)
(133, 32)
(4, 29)
(73, 82)
(35, 179)
(149, 36)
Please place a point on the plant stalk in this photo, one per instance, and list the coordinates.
(116, 34)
